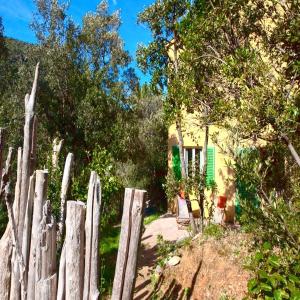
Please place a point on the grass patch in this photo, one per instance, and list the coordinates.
(151, 218)
(109, 245)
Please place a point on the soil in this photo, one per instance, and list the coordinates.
(209, 268)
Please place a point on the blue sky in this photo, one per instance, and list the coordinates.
(17, 15)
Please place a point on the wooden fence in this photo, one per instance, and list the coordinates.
(31, 262)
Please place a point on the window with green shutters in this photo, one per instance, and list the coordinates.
(176, 165)
(210, 167)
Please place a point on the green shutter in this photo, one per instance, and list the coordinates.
(176, 162)
(244, 192)
(210, 167)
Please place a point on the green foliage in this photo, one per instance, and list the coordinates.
(3, 218)
(108, 252)
(214, 230)
(277, 274)
(111, 188)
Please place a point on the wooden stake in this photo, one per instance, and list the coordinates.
(28, 227)
(92, 239)
(46, 257)
(135, 239)
(75, 250)
(123, 246)
(39, 201)
(61, 290)
(64, 192)
(27, 150)
(15, 275)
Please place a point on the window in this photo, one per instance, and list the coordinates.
(193, 160)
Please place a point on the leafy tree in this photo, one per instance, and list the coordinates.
(161, 59)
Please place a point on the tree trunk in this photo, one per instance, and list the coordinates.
(203, 175)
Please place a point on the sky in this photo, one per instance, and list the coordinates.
(17, 15)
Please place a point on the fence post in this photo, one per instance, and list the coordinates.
(137, 216)
(92, 223)
(75, 249)
(40, 195)
(45, 271)
(61, 288)
(132, 222)
(63, 194)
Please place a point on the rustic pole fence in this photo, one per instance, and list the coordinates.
(32, 241)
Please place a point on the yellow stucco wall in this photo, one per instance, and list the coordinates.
(193, 136)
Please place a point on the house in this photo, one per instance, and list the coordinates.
(218, 171)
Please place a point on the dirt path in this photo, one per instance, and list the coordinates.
(166, 226)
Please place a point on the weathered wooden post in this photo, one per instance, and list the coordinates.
(40, 197)
(5, 242)
(27, 152)
(75, 249)
(92, 223)
(61, 288)
(63, 194)
(27, 229)
(137, 216)
(45, 271)
(132, 222)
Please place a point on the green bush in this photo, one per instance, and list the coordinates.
(277, 274)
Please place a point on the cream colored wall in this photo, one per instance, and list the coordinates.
(193, 136)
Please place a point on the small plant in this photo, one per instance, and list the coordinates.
(213, 230)
(165, 249)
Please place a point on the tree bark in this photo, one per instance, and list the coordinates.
(203, 175)
(292, 149)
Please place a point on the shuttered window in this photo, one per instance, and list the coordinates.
(210, 168)
(176, 162)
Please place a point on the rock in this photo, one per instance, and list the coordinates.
(158, 270)
(173, 261)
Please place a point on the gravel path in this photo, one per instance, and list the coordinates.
(166, 226)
